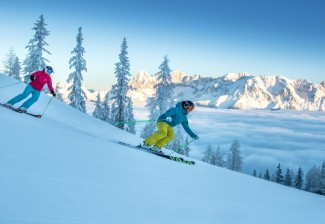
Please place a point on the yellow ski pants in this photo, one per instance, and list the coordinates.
(161, 138)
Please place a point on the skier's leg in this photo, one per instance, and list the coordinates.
(21, 96)
(160, 134)
(35, 95)
(170, 136)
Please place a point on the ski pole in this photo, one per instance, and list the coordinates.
(47, 106)
(182, 146)
(9, 85)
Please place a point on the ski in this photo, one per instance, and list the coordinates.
(174, 158)
(19, 111)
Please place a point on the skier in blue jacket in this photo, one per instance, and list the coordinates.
(165, 123)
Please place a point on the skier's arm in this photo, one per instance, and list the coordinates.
(187, 129)
(49, 84)
(168, 113)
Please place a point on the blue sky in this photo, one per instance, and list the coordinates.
(207, 37)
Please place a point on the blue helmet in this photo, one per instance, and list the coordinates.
(49, 69)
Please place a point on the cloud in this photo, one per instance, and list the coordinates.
(292, 138)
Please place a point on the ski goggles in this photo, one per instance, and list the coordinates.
(50, 71)
(189, 108)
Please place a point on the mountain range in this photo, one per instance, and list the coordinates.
(231, 91)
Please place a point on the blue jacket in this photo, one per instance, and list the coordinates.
(179, 116)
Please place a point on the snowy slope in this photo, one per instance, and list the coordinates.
(64, 169)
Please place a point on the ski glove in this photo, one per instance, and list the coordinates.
(32, 78)
(53, 93)
(168, 119)
(196, 137)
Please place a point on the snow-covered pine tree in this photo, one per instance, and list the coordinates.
(313, 180)
(36, 46)
(288, 178)
(254, 173)
(178, 144)
(59, 95)
(299, 181)
(122, 106)
(234, 160)
(323, 178)
(106, 113)
(10, 66)
(150, 126)
(16, 69)
(218, 157)
(98, 108)
(208, 154)
(186, 147)
(77, 96)
(214, 157)
(130, 127)
(164, 88)
(162, 99)
(266, 175)
(278, 175)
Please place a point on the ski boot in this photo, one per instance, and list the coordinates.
(157, 150)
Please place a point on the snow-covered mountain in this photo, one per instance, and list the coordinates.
(64, 168)
(237, 91)
(231, 91)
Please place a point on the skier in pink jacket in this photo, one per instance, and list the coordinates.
(39, 79)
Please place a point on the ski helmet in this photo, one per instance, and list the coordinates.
(188, 105)
(49, 69)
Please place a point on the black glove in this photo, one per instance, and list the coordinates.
(196, 137)
(53, 93)
(32, 78)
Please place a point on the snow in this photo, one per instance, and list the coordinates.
(63, 168)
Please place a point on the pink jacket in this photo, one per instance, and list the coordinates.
(41, 78)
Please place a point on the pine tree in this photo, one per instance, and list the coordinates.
(164, 88)
(59, 95)
(178, 144)
(186, 147)
(266, 175)
(299, 181)
(16, 69)
(322, 178)
(278, 175)
(162, 99)
(106, 110)
(36, 46)
(98, 111)
(288, 178)
(122, 106)
(218, 157)
(234, 160)
(254, 173)
(130, 127)
(313, 180)
(208, 154)
(150, 126)
(77, 96)
(10, 64)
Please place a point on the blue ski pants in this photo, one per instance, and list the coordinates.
(28, 103)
